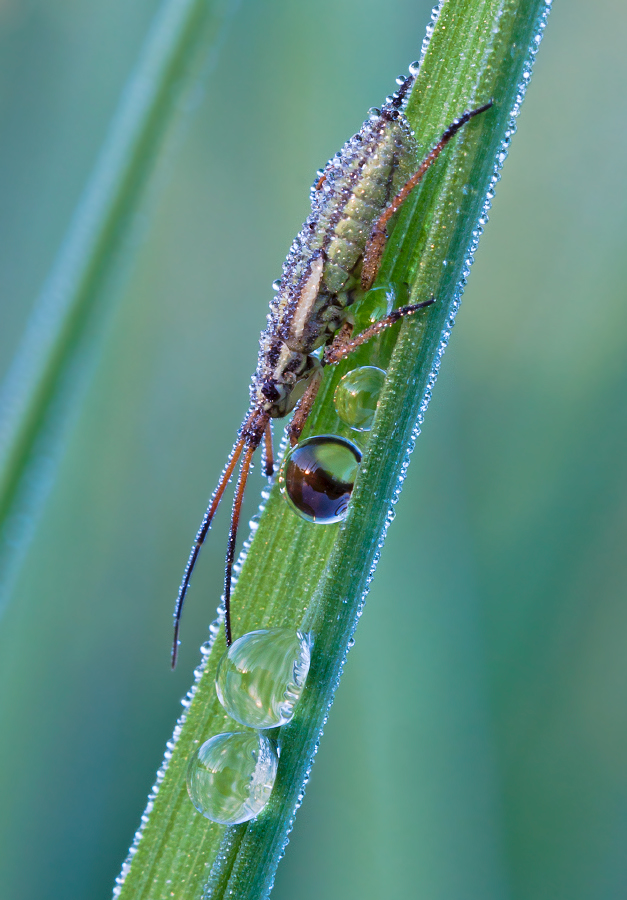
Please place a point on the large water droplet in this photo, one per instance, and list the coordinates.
(231, 776)
(317, 477)
(261, 676)
(357, 396)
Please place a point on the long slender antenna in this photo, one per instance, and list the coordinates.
(230, 552)
(268, 451)
(200, 538)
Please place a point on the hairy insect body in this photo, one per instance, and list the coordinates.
(322, 269)
(332, 262)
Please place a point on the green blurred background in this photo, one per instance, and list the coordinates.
(482, 753)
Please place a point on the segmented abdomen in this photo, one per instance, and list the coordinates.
(355, 187)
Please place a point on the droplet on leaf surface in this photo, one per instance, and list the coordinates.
(357, 396)
(231, 776)
(317, 477)
(261, 676)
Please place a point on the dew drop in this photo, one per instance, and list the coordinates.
(380, 302)
(261, 676)
(276, 284)
(317, 477)
(357, 396)
(231, 776)
(414, 68)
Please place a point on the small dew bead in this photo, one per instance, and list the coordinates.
(261, 676)
(231, 776)
(357, 396)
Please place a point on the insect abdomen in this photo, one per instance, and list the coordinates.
(356, 186)
(359, 194)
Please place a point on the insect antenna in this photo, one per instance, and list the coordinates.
(230, 552)
(268, 451)
(200, 539)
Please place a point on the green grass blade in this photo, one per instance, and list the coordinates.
(34, 396)
(299, 574)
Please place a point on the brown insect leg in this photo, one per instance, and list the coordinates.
(304, 408)
(200, 538)
(230, 553)
(269, 453)
(378, 236)
(341, 347)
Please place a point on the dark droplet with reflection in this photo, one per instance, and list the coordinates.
(317, 477)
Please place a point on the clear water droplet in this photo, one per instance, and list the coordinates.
(414, 68)
(231, 776)
(261, 676)
(380, 302)
(357, 396)
(317, 477)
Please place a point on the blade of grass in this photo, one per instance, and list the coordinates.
(298, 574)
(39, 390)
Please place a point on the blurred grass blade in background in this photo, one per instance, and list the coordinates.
(52, 365)
(296, 573)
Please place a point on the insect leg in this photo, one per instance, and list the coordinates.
(378, 235)
(303, 409)
(268, 451)
(200, 538)
(230, 553)
(343, 346)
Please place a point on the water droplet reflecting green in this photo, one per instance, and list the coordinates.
(231, 776)
(261, 676)
(379, 302)
(317, 477)
(357, 396)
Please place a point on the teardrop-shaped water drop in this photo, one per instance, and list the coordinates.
(231, 776)
(262, 675)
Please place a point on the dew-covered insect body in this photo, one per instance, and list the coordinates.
(332, 262)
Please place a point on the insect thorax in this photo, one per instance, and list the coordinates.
(325, 258)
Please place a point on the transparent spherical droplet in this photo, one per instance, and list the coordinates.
(231, 776)
(380, 301)
(317, 477)
(357, 396)
(261, 676)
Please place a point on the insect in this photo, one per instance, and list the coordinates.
(332, 262)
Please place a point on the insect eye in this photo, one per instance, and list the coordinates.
(269, 391)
